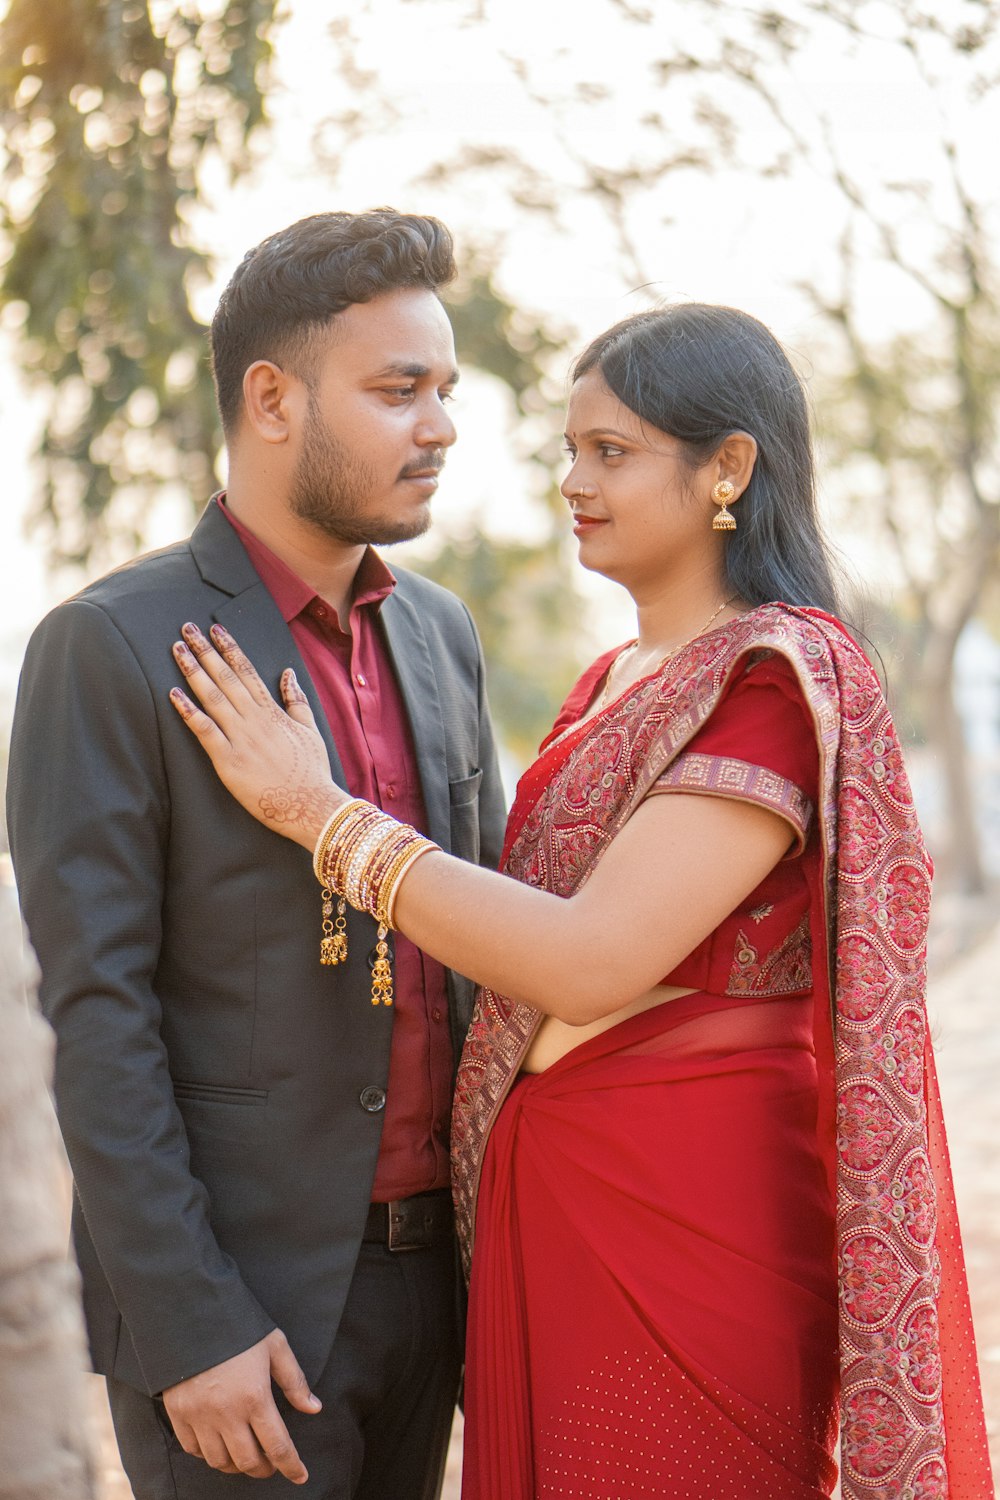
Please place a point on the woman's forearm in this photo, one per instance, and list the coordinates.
(676, 869)
(521, 942)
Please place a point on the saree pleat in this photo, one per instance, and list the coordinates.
(617, 1323)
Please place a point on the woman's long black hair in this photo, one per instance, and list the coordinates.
(700, 373)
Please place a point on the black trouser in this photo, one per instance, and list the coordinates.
(388, 1394)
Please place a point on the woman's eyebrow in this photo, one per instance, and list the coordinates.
(601, 432)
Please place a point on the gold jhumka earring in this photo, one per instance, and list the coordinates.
(723, 493)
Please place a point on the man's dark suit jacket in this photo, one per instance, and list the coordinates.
(217, 1088)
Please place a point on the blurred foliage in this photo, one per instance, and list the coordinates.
(112, 109)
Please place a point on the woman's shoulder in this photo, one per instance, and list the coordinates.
(814, 655)
(800, 633)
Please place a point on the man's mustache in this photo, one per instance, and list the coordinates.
(422, 467)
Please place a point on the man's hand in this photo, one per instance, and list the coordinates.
(227, 1416)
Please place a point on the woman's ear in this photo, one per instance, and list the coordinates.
(735, 461)
(266, 393)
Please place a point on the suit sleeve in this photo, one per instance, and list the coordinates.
(89, 818)
(492, 803)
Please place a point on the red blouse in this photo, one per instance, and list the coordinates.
(758, 746)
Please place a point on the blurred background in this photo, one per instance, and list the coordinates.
(828, 165)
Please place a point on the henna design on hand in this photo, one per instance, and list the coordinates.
(283, 804)
(291, 689)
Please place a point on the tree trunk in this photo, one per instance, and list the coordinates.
(961, 867)
(45, 1436)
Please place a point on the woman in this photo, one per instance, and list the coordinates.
(680, 1259)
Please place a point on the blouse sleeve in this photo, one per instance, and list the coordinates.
(758, 746)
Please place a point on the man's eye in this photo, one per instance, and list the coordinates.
(404, 392)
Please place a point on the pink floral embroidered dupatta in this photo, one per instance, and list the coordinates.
(912, 1424)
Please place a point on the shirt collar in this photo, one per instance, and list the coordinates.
(373, 581)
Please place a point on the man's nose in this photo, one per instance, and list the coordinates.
(436, 429)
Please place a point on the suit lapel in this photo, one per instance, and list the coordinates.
(252, 617)
(255, 621)
(415, 674)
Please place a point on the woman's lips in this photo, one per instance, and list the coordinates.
(582, 523)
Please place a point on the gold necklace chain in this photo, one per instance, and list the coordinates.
(605, 696)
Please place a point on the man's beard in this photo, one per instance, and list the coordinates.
(330, 488)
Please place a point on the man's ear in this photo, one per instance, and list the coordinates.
(268, 400)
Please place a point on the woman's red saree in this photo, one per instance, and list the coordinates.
(658, 1281)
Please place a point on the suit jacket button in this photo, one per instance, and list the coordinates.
(372, 1099)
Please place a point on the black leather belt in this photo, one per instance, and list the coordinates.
(411, 1223)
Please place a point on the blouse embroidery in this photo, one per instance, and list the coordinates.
(784, 971)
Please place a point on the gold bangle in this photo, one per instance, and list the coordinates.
(389, 903)
(361, 856)
(328, 833)
(351, 834)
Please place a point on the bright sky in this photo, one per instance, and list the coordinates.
(714, 237)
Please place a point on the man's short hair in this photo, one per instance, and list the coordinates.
(285, 291)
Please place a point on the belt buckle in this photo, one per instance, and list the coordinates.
(397, 1226)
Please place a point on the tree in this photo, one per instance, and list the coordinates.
(45, 1436)
(112, 112)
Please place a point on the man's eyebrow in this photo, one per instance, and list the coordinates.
(411, 371)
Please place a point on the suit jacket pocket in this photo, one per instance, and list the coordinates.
(463, 797)
(219, 1093)
(466, 789)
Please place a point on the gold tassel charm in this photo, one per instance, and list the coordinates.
(723, 494)
(333, 947)
(382, 970)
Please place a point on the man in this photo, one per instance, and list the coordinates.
(260, 1154)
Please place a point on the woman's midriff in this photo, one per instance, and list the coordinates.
(554, 1038)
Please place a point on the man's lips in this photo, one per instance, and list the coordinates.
(428, 478)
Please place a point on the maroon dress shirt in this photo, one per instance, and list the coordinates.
(354, 678)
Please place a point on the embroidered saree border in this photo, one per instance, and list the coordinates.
(724, 776)
(893, 1436)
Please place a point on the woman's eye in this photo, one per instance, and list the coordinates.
(608, 450)
(569, 450)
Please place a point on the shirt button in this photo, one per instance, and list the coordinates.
(361, 680)
(372, 1099)
(441, 1129)
(436, 1013)
(320, 611)
(390, 792)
